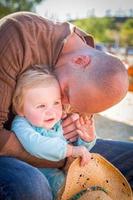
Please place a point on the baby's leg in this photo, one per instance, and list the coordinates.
(56, 178)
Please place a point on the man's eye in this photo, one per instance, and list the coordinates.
(41, 106)
(57, 103)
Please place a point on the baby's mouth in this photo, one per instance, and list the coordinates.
(49, 120)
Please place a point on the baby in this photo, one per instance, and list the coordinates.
(37, 103)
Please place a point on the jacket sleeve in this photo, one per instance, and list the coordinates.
(53, 149)
(88, 145)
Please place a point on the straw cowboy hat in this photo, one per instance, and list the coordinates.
(98, 180)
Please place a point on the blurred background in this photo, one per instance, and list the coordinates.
(111, 24)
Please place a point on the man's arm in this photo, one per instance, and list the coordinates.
(10, 146)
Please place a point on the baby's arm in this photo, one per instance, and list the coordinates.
(86, 140)
(79, 151)
(86, 132)
(53, 149)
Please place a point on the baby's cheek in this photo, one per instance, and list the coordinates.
(36, 119)
(59, 114)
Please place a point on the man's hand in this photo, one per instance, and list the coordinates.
(69, 127)
(86, 129)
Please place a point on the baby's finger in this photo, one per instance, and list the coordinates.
(80, 133)
(81, 120)
(89, 119)
(86, 158)
(78, 124)
(83, 161)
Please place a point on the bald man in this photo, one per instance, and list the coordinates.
(91, 81)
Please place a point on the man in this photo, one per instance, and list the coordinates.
(91, 81)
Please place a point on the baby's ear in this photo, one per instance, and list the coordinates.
(81, 60)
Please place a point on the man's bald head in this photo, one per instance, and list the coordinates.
(108, 74)
(92, 80)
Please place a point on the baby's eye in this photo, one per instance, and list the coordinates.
(41, 106)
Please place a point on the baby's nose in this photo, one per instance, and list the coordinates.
(50, 112)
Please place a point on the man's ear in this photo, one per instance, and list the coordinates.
(64, 99)
(81, 60)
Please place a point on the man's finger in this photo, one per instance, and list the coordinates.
(70, 119)
(71, 135)
(74, 139)
(68, 129)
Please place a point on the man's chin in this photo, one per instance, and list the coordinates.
(69, 109)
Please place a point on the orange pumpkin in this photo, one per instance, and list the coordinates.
(130, 74)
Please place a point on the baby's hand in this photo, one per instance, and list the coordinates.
(86, 129)
(81, 151)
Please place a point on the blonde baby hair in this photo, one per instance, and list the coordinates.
(33, 77)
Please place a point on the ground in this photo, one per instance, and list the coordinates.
(117, 122)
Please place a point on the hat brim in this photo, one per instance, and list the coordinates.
(98, 173)
(93, 195)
